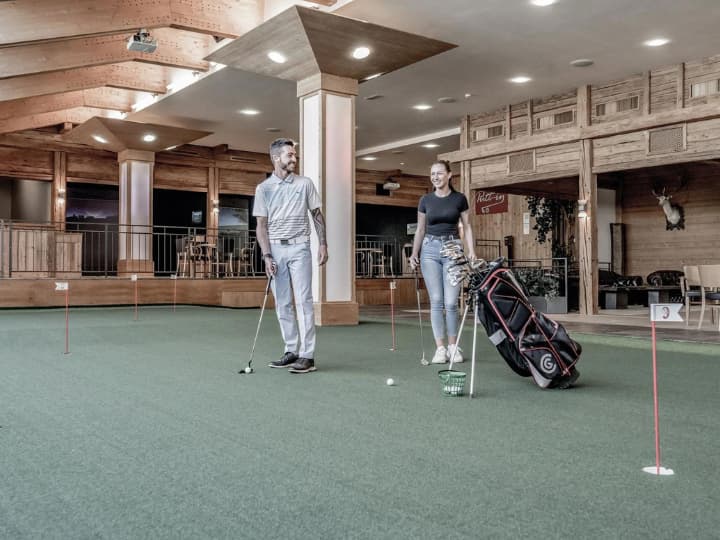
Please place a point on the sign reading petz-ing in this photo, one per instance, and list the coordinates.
(487, 202)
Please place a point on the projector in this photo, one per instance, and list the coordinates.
(391, 186)
(142, 42)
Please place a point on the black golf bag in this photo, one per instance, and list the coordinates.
(532, 344)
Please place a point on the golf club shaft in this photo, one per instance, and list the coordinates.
(472, 364)
(457, 342)
(262, 311)
(422, 339)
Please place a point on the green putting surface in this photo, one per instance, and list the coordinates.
(147, 431)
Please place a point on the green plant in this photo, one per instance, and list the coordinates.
(539, 281)
(550, 216)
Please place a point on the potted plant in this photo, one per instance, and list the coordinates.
(543, 289)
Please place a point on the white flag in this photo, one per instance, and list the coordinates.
(665, 312)
(62, 286)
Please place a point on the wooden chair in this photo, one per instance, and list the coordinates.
(246, 260)
(183, 257)
(690, 289)
(710, 287)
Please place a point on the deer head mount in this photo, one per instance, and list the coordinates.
(674, 213)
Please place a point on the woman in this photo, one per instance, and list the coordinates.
(439, 214)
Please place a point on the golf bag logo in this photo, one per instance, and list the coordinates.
(547, 363)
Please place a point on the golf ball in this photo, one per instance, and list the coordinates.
(248, 369)
(390, 382)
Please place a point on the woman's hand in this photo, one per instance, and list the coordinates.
(414, 261)
(471, 256)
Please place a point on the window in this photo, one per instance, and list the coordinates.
(489, 132)
(705, 88)
(631, 103)
(557, 119)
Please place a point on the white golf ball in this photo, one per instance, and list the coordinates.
(390, 382)
(248, 369)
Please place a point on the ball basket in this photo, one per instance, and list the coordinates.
(453, 382)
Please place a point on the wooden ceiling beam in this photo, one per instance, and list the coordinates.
(28, 21)
(126, 75)
(176, 48)
(77, 115)
(100, 98)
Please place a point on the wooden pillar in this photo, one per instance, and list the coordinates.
(587, 233)
(213, 203)
(646, 104)
(327, 156)
(680, 103)
(465, 138)
(584, 118)
(59, 190)
(135, 254)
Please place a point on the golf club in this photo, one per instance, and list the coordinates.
(249, 368)
(423, 360)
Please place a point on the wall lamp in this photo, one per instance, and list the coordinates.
(216, 206)
(582, 208)
(61, 196)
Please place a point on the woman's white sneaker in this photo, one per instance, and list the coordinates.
(441, 356)
(458, 354)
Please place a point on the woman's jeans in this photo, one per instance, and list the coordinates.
(443, 296)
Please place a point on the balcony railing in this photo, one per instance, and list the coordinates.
(77, 249)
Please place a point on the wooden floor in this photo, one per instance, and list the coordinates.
(632, 322)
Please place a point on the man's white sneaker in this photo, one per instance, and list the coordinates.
(440, 356)
(458, 354)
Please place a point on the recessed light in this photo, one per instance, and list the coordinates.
(101, 140)
(249, 112)
(422, 107)
(656, 42)
(542, 3)
(371, 77)
(582, 62)
(447, 99)
(369, 158)
(398, 152)
(149, 137)
(277, 57)
(361, 52)
(430, 145)
(171, 148)
(273, 130)
(402, 163)
(520, 79)
(468, 96)
(373, 97)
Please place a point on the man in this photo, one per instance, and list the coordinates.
(281, 207)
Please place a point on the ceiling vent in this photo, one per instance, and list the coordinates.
(520, 163)
(374, 97)
(666, 140)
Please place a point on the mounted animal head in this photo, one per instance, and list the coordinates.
(674, 213)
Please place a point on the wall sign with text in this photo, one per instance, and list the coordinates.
(487, 202)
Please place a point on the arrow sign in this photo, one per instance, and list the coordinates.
(665, 312)
(62, 286)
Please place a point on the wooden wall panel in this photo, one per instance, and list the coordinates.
(663, 89)
(93, 169)
(649, 245)
(552, 103)
(239, 182)
(26, 163)
(181, 178)
(560, 159)
(492, 168)
(519, 120)
(707, 69)
(620, 150)
(411, 188)
(510, 223)
(606, 93)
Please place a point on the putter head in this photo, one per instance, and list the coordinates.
(424, 361)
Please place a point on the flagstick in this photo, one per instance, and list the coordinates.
(67, 321)
(174, 292)
(136, 300)
(392, 313)
(655, 400)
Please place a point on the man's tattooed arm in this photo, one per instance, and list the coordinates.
(319, 221)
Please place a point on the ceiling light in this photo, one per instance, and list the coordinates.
(520, 79)
(149, 137)
(273, 130)
(430, 145)
(398, 152)
(369, 158)
(402, 163)
(101, 140)
(422, 107)
(171, 148)
(542, 3)
(582, 62)
(249, 112)
(360, 53)
(371, 77)
(277, 57)
(468, 96)
(656, 42)
(447, 99)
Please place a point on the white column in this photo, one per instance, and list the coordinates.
(327, 156)
(135, 232)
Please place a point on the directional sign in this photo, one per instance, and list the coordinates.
(62, 286)
(665, 312)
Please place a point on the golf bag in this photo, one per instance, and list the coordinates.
(530, 343)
